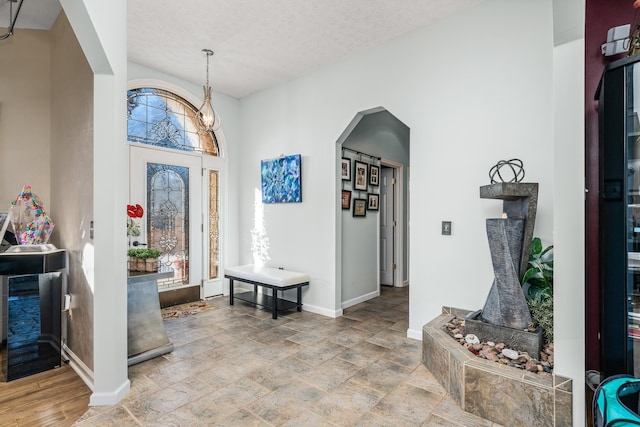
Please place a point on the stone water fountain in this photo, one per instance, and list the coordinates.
(506, 316)
(496, 392)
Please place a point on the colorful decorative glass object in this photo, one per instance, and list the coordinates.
(31, 224)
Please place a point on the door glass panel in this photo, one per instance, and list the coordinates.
(214, 220)
(633, 219)
(168, 218)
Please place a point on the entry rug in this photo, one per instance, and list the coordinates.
(186, 309)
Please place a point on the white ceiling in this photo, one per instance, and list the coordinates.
(34, 14)
(257, 43)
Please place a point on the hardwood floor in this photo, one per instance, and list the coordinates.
(55, 397)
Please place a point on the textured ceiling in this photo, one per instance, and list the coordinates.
(34, 14)
(259, 43)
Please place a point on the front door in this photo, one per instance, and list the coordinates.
(168, 185)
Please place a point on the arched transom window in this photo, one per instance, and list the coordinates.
(164, 119)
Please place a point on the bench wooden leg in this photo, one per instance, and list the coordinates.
(230, 291)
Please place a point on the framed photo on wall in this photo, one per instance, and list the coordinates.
(372, 202)
(374, 174)
(345, 169)
(346, 199)
(359, 207)
(360, 176)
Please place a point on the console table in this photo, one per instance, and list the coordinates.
(146, 336)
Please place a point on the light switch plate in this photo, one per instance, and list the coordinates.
(446, 228)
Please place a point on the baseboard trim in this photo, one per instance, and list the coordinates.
(78, 366)
(322, 311)
(361, 298)
(86, 374)
(110, 398)
(413, 334)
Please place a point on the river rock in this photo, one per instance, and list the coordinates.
(472, 339)
(490, 355)
(531, 366)
(510, 354)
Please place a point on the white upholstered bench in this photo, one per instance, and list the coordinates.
(267, 277)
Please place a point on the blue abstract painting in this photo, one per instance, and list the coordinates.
(282, 179)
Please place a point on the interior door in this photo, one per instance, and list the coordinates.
(168, 185)
(387, 226)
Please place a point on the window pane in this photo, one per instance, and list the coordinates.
(161, 118)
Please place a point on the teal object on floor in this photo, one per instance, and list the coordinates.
(614, 400)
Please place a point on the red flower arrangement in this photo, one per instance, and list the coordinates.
(133, 212)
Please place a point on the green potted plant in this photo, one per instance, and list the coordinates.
(145, 260)
(537, 285)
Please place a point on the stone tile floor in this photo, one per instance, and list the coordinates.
(235, 366)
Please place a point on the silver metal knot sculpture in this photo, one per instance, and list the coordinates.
(515, 166)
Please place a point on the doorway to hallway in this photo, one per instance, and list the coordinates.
(373, 241)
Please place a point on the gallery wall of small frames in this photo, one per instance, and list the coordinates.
(360, 176)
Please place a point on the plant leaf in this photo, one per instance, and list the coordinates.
(536, 246)
(547, 249)
(529, 274)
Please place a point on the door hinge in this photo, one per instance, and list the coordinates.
(393, 181)
(393, 266)
(202, 228)
(393, 223)
(202, 171)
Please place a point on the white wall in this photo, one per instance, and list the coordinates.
(106, 52)
(484, 105)
(568, 219)
(569, 198)
(470, 96)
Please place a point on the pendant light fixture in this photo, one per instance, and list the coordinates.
(206, 117)
(12, 19)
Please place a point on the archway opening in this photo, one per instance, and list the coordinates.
(373, 218)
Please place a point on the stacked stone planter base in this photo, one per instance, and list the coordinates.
(502, 394)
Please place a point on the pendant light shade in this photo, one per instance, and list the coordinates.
(206, 117)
